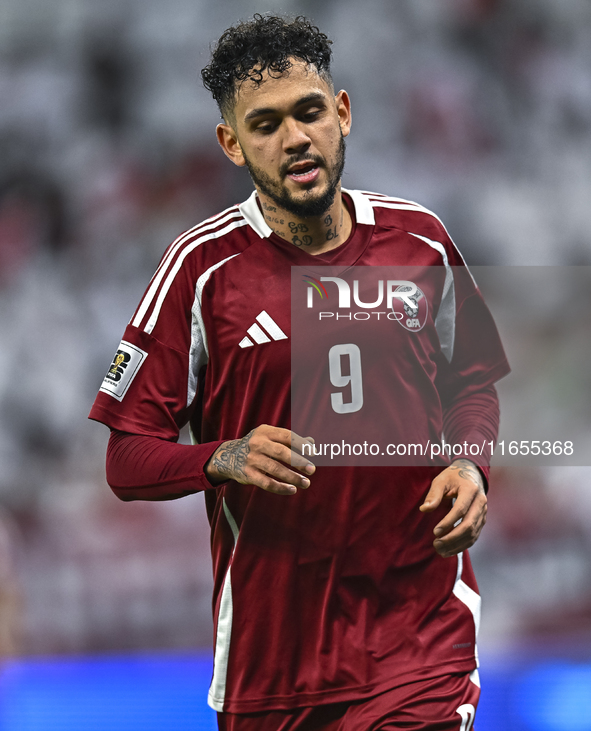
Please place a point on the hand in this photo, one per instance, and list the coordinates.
(259, 459)
(462, 481)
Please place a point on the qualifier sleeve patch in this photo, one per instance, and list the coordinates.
(126, 363)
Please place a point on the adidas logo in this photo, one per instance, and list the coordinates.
(259, 335)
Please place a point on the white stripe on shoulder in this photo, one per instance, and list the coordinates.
(402, 205)
(445, 322)
(380, 200)
(251, 211)
(383, 201)
(363, 207)
(405, 207)
(206, 225)
(434, 245)
(384, 196)
(179, 262)
(199, 351)
(227, 215)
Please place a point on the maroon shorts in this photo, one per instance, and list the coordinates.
(447, 703)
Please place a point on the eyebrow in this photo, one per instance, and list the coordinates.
(261, 111)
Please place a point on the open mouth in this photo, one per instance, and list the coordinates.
(304, 172)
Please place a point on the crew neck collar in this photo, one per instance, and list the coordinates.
(361, 212)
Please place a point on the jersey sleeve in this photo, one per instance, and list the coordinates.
(472, 355)
(150, 386)
(473, 419)
(148, 468)
(470, 366)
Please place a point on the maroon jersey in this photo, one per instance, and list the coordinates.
(335, 593)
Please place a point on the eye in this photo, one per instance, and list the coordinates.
(266, 127)
(311, 114)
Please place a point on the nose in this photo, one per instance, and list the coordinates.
(295, 137)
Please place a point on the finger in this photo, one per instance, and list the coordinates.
(281, 453)
(464, 535)
(257, 478)
(303, 446)
(270, 485)
(297, 442)
(464, 500)
(447, 547)
(275, 434)
(434, 496)
(283, 441)
(280, 472)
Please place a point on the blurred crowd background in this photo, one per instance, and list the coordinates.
(479, 109)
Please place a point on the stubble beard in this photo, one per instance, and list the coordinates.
(311, 206)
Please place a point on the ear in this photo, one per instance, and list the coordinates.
(343, 105)
(229, 143)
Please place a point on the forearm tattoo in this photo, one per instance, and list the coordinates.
(467, 471)
(230, 458)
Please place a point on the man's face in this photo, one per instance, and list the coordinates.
(289, 132)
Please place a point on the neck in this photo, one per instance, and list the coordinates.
(312, 234)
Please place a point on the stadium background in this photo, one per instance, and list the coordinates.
(479, 109)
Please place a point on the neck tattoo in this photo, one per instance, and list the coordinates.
(300, 234)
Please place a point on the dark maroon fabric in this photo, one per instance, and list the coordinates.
(474, 419)
(336, 593)
(445, 703)
(148, 468)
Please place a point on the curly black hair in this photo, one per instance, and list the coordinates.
(265, 43)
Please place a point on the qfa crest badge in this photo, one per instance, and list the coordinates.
(411, 312)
